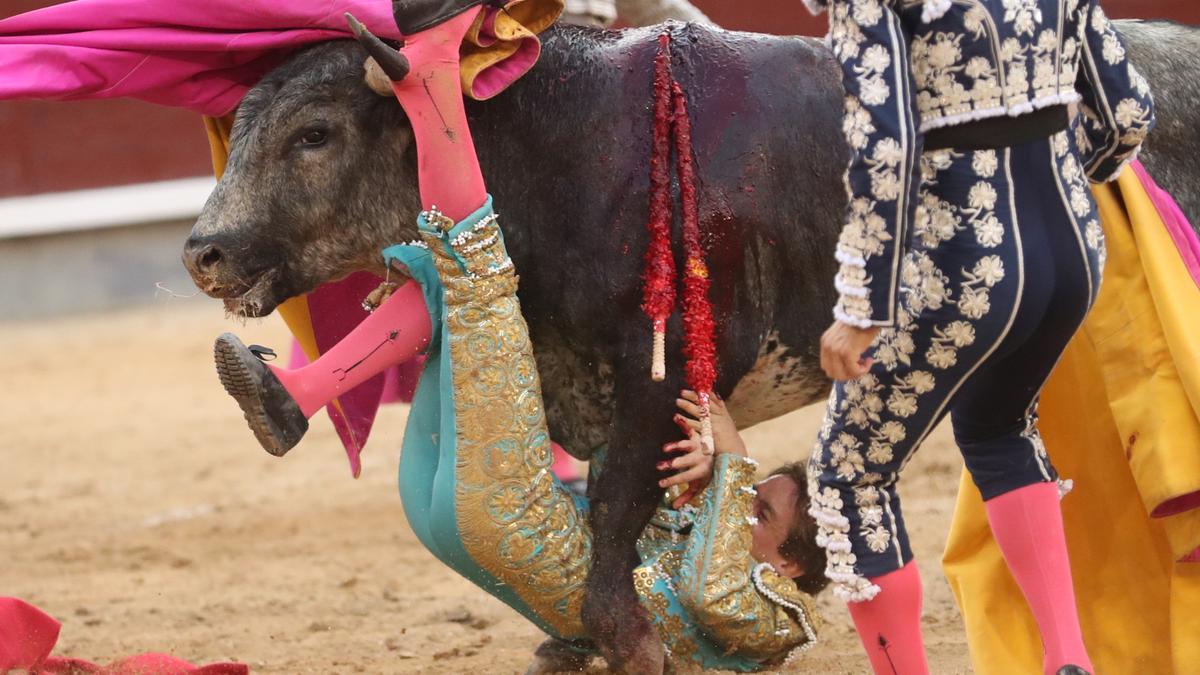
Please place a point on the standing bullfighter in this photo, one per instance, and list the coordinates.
(970, 255)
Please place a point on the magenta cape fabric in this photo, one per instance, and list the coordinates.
(28, 635)
(336, 309)
(1177, 224)
(198, 54)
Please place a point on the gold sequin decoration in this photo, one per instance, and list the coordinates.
(514, 521)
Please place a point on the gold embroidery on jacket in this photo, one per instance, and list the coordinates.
(513, 520)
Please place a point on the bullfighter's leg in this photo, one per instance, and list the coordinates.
(624, 498)
(999, 267)
(475, 473)
(448, 170)
(278, 402)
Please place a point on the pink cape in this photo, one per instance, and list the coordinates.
(28, 635)
(205, 55)
(1177, 224)
(334, 310)
(198, 54)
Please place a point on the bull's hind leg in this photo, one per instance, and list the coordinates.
(623, 500)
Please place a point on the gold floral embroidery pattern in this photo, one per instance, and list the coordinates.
(1077, 197)
(875, 411)
(716, 573)
(1117, 104)
(974, 301)
(863, 35)
(519, 526)
(947, 340)
(1019, 57)
(513, 520)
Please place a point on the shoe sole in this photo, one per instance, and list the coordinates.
(240, 383)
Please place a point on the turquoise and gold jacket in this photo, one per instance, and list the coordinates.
(713, 604)
(912, 66)
(478, 492)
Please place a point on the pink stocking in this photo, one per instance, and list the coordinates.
(447, 169)
(394, 333)
(889, 625)
(1027, 524)
(564, 465)
(449, 177)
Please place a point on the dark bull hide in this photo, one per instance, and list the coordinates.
(322, 175)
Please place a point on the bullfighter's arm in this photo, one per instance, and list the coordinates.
(743, 605)
(1118, 106)
(647, 12)
(881, 125)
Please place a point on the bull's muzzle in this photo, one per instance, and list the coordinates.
(202, 258)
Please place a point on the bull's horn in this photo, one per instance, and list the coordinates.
(392, 62)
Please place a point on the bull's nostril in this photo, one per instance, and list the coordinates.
(210, 257)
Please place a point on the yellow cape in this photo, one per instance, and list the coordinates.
(1121, 417)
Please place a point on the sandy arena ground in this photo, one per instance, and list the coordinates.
(136, 507)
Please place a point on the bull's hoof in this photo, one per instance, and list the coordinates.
(559, 656)
(271, 412)
(624, 636)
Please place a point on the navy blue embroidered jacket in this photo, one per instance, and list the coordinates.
(910, 66)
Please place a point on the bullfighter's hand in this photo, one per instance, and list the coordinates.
(693, 467)
(843, 351)
(379, 296)
(725, 434)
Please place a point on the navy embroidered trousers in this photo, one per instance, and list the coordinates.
(1002, 264)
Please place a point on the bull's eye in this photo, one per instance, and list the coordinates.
(313, 138)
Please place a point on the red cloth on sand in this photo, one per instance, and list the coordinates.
(28, 635)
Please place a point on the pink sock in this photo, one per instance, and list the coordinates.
(1027, 524)
(564, 464)
(889, 625)
(394, 333)
(447, 168)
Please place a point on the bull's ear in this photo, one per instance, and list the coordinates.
(376, 79)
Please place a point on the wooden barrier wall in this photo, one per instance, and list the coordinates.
(47, 147)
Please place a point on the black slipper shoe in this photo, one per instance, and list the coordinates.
(272, 413)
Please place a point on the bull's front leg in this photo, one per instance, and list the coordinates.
(623, 499)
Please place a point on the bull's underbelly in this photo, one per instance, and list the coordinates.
(779, 382)
(580, 402)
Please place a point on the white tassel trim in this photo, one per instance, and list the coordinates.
(850, 320)
(850, 259)
(1065, 98)
(934, 10)
(852, 587)
(852, 291)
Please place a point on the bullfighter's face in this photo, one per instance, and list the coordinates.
(775, 510)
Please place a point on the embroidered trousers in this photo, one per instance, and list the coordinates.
(1003, 263)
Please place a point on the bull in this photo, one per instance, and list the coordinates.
(322, 175)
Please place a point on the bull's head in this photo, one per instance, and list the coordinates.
(321, 176)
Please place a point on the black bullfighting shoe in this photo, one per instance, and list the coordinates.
(1072, 670)
(414, 16)
(272, 413)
